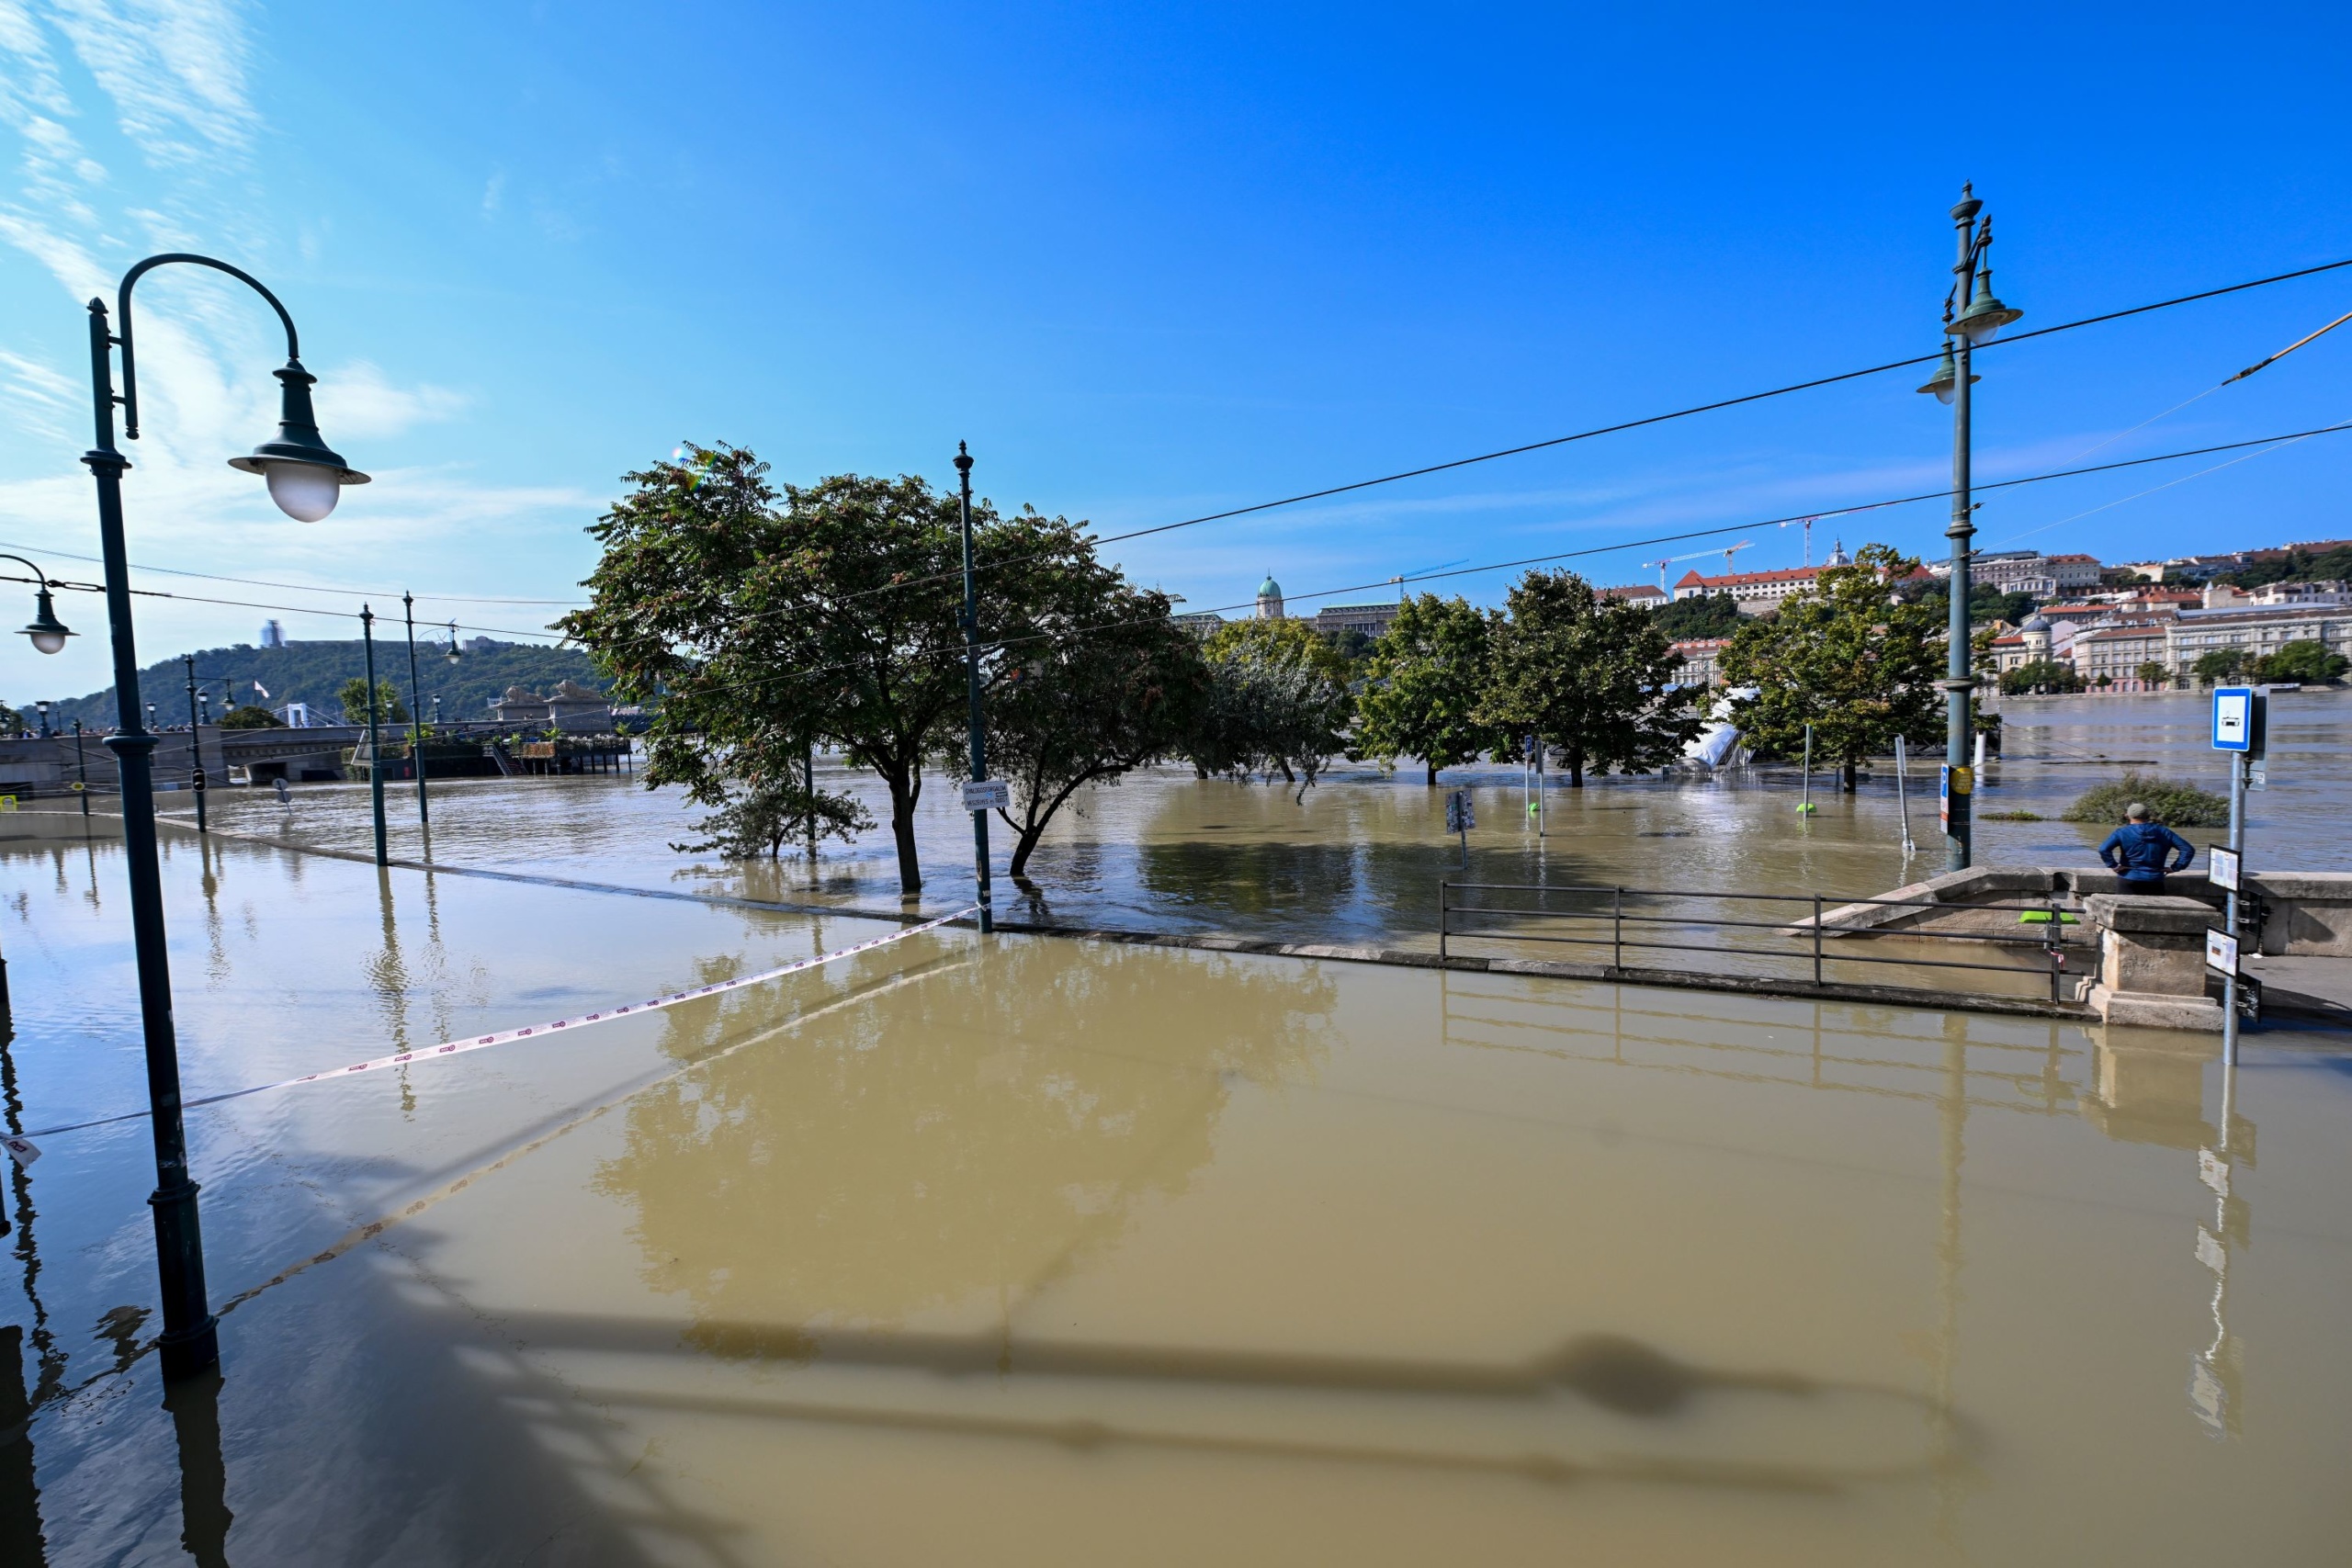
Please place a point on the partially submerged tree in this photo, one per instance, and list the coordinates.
(1423, 683)
(1850, 657)
(1588, 676)
(1277, 702)
(757, 818)
(764, 620)
(1102, 683)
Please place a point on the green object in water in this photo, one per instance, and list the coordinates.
(2042, 917)
(1807, 808)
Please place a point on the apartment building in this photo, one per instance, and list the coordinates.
(1695, 660)
(2110, 657)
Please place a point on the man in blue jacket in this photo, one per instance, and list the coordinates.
(2136, 851)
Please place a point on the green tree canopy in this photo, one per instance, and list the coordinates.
(827, 613)
(1587, 675)
(2306, 661)
(1849, 656)
(245, 715)
(2154, 673)
(2039, 675)
(1702, 615)
(1277, 702)
(390, 709)
(755, 820)
(2220, 664)
(1423, 683)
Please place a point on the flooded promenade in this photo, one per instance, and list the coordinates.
(1015, 1251)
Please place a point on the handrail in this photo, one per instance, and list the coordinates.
(2051, 941)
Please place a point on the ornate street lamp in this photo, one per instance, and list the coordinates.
(1982, 320)
(48, 634)
(305, 478)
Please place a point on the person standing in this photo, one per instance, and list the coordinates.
(2137, 851)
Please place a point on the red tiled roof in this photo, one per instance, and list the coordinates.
(1744, 579)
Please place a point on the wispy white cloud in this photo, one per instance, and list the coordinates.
(174, 69)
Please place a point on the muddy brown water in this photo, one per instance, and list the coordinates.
(1032, 1251)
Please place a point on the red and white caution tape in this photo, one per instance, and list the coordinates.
(24, 1151)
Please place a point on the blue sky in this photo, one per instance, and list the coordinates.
(1150, 262)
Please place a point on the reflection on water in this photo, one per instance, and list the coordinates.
(1361, 857)
(973, 1133)
(1024, 1251)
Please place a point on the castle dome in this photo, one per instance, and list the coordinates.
(1270, 589)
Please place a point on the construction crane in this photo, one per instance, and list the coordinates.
(1729, 550)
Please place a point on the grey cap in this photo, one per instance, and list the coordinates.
(2136, 812)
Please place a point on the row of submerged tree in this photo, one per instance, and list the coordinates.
(759, 624)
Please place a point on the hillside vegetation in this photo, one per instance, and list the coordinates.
(315, 671)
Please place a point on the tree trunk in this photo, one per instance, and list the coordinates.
(1288, 777)
(1020, 848)
(902, 829)
(1850, 782)
(1576, 769)
(1432, 774)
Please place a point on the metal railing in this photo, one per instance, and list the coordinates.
(1809, 931)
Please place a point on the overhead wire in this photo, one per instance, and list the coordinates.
(999, 644)
(298, 587)
(71, 586)
(1695, 409)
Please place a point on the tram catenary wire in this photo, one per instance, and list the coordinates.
(1657, 418)
(999, 644)
(1355, 485)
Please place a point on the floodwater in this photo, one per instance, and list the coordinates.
(1361, 857)
(1033, 1250)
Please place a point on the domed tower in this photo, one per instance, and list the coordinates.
(1838, 556)
(2036, 633)
(1269, 599)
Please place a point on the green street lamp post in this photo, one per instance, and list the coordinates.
(42, 707)
(977, 733)
(305, 476)
(1981, 317)
(416, 714)
(375, 734)
(195, 744)
(80, 771)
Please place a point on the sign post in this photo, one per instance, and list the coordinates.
(2240, 717)
(1460, 818)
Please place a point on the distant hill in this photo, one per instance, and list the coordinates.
(313, 672)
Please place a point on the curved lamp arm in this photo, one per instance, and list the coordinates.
(123, 309)
(41, 578)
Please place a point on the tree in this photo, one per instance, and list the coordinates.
(1103, 684)
(2039, 675)
(1423, 685)
(2305, 661)
(388, 707)
(2153, 673)
(757, 818)
(1277, 701)
(1588, 676)
(1850, 657)
(764, 621)
(1700, 615)
(245, 715)
(2220, 664)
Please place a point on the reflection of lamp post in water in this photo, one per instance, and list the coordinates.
(416, 714)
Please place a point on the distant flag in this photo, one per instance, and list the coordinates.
(261, 691)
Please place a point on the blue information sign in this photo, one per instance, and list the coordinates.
(2237, 719)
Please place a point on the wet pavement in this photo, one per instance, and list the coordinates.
(1025, 1250)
